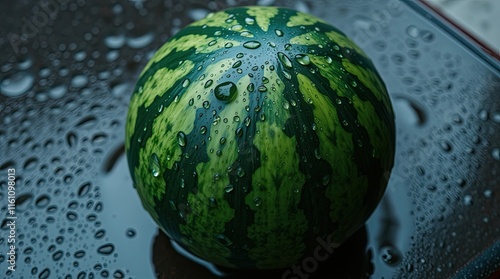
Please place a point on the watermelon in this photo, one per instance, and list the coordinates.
(258, 133)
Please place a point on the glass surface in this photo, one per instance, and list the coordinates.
(67, 70)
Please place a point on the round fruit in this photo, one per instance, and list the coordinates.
(257, 133)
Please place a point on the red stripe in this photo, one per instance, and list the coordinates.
(495, 275)
(477, 41)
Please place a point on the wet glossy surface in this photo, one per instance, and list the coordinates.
(64, 90)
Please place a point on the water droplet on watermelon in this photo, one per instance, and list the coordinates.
(237, 64)
(287, 75)
(257, 202)
(154, 165)
(240, 171)
(224, 240)
(247, 121)
(181, 139)
(209, 83)
(228, 45)
(211, 43)
(285, 60)
(303, 59)
(354, 83)
(240, 55)
(212, 202)
(329, 60)
(239, 132)
(262, 88)
(251, 44)
(278, 32)
(191, 101)
(185, 83)
(222, 140)
(246, 34)
(250, 87)
(226, 91)
(17, 84)
(172, 205)
(203, 130)
(229, 188)
(249, 20)
(206, 104)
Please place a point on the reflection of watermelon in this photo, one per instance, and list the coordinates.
(255, 131)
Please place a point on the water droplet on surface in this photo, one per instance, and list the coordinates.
(278, 32)
(181, 139)
(141, 41)
(468, 200)
(44, 274)
(154, 165)
(185, 83)
(409, 112)
(426, 36)
(228, 45)
(211, 43)
(106, 249)
(115, 41)
(488, 193)
(303, 59)
(389, 255)
(57, 92)
(413, 31)
(79, 81)
(496, 153)
(17, 84)
(252, 44)
(226, 91)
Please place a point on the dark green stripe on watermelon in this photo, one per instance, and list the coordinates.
(256, 130)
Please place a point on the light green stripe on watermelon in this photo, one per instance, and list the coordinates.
(378, 133)
(187, 42)
(336, 143)
(303, 19)
(162, 81)
(206, 234)
(311, 38)
(332, 72)
(370, 80)
(263, 16)
(157, 85)
(276, 188)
